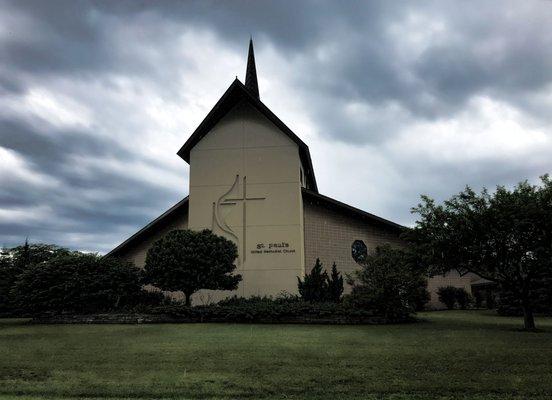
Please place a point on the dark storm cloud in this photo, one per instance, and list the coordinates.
(366, 72)
(367, 66)
(118, 200)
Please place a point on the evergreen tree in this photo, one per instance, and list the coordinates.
(314, 287)
(335, 285)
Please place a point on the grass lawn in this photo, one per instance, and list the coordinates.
(450, 355)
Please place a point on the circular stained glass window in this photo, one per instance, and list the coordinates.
(359, 251)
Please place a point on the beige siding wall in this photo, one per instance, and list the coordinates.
(329, 235)
(247, 156)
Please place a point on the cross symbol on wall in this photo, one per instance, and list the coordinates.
(243, 199)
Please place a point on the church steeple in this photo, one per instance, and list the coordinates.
(251, 72)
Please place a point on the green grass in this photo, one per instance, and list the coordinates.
(450, 355)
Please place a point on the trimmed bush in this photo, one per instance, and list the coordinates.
(463, 298)
(447, 296)
(266, 309)
(187, 261)
(451, 296)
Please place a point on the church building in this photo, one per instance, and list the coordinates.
(252, 181)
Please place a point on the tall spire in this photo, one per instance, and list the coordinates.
(251, 72)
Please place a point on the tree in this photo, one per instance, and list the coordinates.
(77, 282)
(505, 237)
(314, 287)
(187, 261)
(8, 275)
(35, 253)
(335, 285)
(13, 261)
(389, 283)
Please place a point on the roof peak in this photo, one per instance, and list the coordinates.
(251, 72)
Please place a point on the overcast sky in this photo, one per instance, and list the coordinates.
(393, 99)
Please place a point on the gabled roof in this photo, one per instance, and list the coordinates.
(345, 208)
(182, 205)
(234, 94)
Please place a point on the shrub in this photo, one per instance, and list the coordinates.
(335, 285)
(421, 298)
(447, 296)
(463, 298)
(77, 283)
(389, 283)
(185, 260)
(266, 309)
(314, 287)
(318, 286)
(8, 275)
(14, 261)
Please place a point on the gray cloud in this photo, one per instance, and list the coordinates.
(415, 95)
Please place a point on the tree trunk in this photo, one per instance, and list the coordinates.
(188, 299)
(528, 319)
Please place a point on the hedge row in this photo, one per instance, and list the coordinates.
(237, 310)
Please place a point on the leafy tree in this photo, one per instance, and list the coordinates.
(8, 275)
(77, 282)
(13, 261)
(187, 261)
(314, 287)
(28, 254)
(447, 296)
(505, 237)
(509, 304)
(389, 283)
(335, 285)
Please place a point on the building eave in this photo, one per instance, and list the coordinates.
(356, 212)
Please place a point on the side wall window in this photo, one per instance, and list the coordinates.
(359, 251)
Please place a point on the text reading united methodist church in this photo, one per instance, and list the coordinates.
(252, 181)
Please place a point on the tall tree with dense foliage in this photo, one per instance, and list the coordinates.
(505, 237)
(187, 261)
(390, 283)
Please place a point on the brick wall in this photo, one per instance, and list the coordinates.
(451, 278)
(330, 233)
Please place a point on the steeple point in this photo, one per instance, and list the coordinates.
(251, 72)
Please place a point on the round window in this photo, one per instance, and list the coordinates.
(359, 251)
